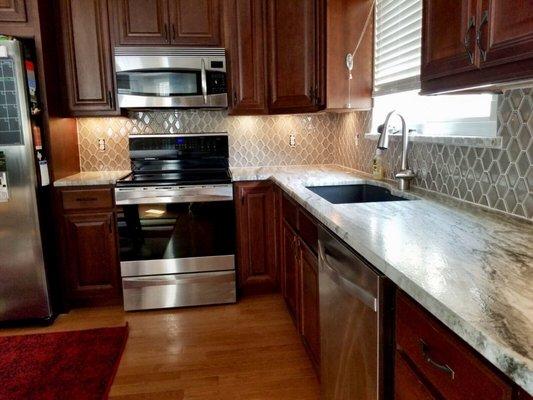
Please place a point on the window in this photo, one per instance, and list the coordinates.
(398, 31)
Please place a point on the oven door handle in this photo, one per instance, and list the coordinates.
(170, 199)
(204, 81)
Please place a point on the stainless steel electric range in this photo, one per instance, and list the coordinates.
(176, 222)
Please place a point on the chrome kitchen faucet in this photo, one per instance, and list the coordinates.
(406, 175)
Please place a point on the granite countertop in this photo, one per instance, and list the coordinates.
(471, 268)
(93, 178)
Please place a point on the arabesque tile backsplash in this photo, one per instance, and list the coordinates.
(496, 178)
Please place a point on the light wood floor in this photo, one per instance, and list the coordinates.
(247, 351)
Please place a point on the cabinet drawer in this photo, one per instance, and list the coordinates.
(454, 369)
(308, 230)
(86, 199)
(289, 211)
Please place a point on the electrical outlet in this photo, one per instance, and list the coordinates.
(292, 140)
(101, 145)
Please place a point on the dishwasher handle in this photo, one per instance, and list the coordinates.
(355, 290)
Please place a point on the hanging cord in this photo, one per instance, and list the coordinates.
(350, 56)
(364, 27)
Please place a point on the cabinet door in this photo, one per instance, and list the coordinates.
(345, 27)
(293, 56)
(256, 232)
(13, 11)
(246, 38)
(88, 60)
(309, 313)
(92, 269)
(195, 22)
(142, 22)
(290, 281)
(448, 38)
(407, 385)
(506, 31)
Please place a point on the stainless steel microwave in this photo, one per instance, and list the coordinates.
(165, 77)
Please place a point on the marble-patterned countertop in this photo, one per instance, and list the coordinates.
(471, 268)
(93, 178)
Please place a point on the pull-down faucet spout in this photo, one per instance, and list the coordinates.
(405, 175)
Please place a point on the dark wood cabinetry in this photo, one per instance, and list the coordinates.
(256, 237)
(88, 61)
(299, 274)
(476, 43)
(309, 302)
(164, 22)
(13, 11)
(506, 31)
(91, 253)
(141, 22)
(432, 361)
(91, 274)
(345, 28)
(296, 55)
(195, 22)
(246, 41)
(289, 272)
(449, 38)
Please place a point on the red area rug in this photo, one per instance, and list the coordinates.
(76, 365)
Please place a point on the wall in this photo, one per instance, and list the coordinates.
(497, 178)
(253, 140)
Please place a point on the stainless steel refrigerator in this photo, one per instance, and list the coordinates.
(23, 283)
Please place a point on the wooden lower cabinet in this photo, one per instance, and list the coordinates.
(433, 361)
(91, 252)
(407, 384)
(256, 237)
(309, 304)
(91, 272)
(290, 266)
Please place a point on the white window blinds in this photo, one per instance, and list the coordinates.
(397, 46)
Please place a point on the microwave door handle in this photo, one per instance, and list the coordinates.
(204, 81)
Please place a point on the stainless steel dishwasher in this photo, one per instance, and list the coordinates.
(352, 319)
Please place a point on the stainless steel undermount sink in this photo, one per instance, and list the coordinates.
(360, 193)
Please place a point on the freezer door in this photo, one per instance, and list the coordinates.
(23, 288)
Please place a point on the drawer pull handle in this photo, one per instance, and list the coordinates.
(443, 367)
(83, 199)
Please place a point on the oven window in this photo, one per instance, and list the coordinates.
(159, 83)
(177, 230)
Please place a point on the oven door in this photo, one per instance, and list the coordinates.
(175, 231)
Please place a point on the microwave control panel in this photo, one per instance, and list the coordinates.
(216, 82)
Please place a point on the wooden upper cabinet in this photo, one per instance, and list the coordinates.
(142, 21)
(246, 38)
(478, 43)
(195, 22)
(448, 38)
(256, 233)
(88, 59)
(13, 11)
(506, 31)
(345, 27)
(294, 55)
